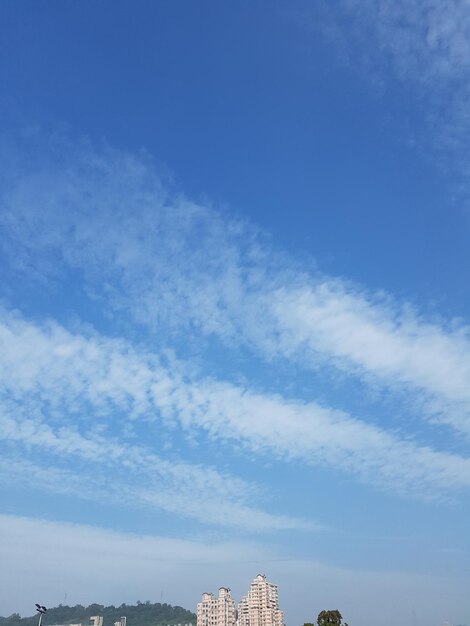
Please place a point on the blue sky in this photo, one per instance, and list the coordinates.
(234, 310)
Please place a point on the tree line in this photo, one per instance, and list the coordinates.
(140, 614)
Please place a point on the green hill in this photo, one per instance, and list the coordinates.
(141, 614)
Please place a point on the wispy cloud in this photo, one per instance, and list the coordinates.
(60, 385)
(138, 479)
(427, 40)
(128, 488)
(57, 369)
(425, 44)
(185, 271)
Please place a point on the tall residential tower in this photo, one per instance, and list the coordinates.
(260, 607)
(218, 611)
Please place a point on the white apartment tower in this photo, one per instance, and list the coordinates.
(218, 611)
(260, 607)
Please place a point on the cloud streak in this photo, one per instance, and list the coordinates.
(185, 271)
(80, 376)
(139, 478)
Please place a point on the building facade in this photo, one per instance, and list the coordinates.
(218, 611)
(260, 606)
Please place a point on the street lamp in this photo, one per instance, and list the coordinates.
(41, 610)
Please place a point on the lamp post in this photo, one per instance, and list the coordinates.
(41, 610)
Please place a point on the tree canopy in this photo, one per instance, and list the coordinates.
(330, 618)
(141, 614)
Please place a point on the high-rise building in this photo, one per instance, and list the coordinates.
(260, 606)
(218, 611)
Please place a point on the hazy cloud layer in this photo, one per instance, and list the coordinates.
(156, 565)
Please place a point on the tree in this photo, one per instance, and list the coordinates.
(330, 618)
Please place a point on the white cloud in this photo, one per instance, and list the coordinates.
(139, 477)
(55, 384)
(395, 345)
(173, 496)
(61, 370)
(183, 270)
